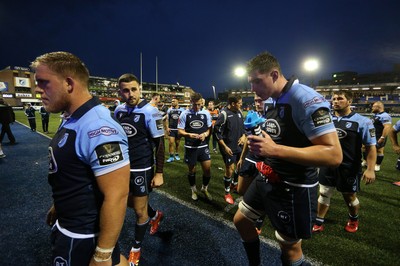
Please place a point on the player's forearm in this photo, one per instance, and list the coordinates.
(316, 155)
(393, 137)
(160, 150)
(112, 215)
(371, 157)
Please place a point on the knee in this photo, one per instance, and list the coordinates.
(325, 194)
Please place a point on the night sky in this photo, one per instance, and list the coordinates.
(198, 43)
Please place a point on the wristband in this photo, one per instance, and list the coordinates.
(382, 137)
(102, 254)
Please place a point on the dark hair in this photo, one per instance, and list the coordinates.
(127, 78)
(347, 94)
(263, 63)
(64, 64)
(234, 99)
(195, 97)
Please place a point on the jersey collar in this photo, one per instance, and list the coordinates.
(84, 108)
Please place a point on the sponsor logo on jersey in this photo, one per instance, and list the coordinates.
(109, 153)
(60, 261)
(159, 124)
(284, 217)
(341, 133)
(129, 129)
(196, 124)
(139, 180)
(313, 101)
(372, 132)
(272, 128)
(175, 116)
(105, 131)
(321, 117)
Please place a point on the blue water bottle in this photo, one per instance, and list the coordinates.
(252, 124)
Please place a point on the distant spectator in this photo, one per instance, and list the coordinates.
(45, 119)
(7, 116)
(112, 107)
(30, 113)
(155, 99)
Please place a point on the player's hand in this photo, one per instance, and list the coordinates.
(51, 216)
(262, 146)
(368, 176)
(103, 263)
(193, 136)
(157, 181)
(228, 151)
(202, 136)
(396, 149)
(239, 164)
(242, 140)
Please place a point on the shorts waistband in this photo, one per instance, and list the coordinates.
(72, 234)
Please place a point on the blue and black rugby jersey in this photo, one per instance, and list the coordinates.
(194, 122)
(230, 128)
(173, 117)
(142, 124)
(297, 116)
(379, 121)
(87, 144)
(353, 131)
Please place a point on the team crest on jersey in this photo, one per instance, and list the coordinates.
(284, 217)
(272, 128)
(201, 116)
(196, 124)
(136, 118)
(52, 162)
(348, 124)
(282, 112)
(63, 140)
(130, 130)
(60, 261)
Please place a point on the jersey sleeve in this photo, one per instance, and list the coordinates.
(103, 145)
(368, 132)
(182, 120)
(209, 120)
(396, 126)
(386, 119)
(154, 121)
(312, 113)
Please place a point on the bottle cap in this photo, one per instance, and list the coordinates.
(253, 119)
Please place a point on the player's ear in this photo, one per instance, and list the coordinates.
(70, 83)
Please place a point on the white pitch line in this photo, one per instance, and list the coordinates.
(219, 218)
